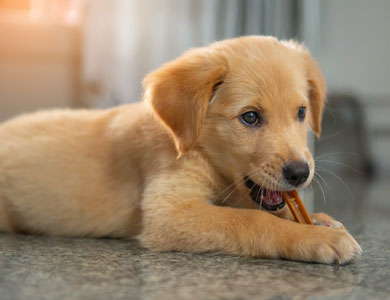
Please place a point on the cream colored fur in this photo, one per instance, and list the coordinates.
(169, 170)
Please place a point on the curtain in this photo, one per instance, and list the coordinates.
(123, 40)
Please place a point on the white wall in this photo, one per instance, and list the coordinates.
(354, 49)
(38, 66)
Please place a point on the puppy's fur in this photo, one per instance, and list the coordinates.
(160, 170)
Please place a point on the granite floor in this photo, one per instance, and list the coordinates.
(33, 267)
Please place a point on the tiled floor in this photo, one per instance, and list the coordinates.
(33, 267)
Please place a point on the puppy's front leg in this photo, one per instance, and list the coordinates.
(181, 219)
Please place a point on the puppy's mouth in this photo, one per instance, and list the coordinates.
(268, 199)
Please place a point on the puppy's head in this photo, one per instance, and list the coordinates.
(248, 103)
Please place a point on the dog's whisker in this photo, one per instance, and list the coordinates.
(231, 185)
(258, 170)
(335, 153)
(322, 179)
(236, 185)
(262, 195)
(259, 193)
(328, 187)
(339, 178)
(332, 135)
(320, 186)
(341, 164)
(267, 183)
(331, 111)
(326, 184)
(237, 200)
(249, 191)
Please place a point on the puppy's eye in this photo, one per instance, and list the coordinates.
(250, 118)
(301, 113)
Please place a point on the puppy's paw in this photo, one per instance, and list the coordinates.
(326, 220)
(326, 245)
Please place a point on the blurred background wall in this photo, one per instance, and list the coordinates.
(125, 39)
(80, 53)
(39, 55)
(353, 53)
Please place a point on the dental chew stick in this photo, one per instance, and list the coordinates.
(297, 208)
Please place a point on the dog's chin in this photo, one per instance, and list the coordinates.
(271, 200)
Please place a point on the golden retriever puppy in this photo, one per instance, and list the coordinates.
(197, 166)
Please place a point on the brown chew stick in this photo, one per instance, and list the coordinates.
(297, 208)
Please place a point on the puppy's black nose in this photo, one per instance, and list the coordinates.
(296, 173)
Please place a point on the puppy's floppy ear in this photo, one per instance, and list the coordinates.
(179, 93)
(317, 94)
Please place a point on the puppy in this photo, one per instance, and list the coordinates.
(197, 166)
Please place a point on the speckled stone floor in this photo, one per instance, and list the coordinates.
(33, 267)
(57, 268)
